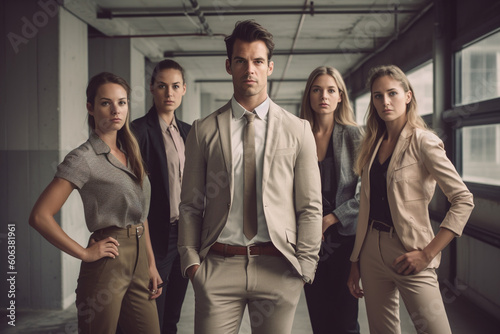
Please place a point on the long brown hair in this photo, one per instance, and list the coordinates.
(343, 114)
(375, 126)
(124, 137)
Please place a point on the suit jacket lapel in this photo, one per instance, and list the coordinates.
(224, 125)
(401, 146)
(182, 130)
(272, 137)
(338, 143)
(370, 163)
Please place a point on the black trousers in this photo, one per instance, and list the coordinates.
(169, 304)
(332, 308)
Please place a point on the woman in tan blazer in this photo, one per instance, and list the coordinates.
(396, 251)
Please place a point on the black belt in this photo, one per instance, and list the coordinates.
(380, 226)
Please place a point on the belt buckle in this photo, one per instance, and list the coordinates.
(249, 251)
(137, 229)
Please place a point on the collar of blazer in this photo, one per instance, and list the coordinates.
(274, 124)
(399, 149)
(156, 141)
(154, 123)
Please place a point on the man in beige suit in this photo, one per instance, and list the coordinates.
(232, 261)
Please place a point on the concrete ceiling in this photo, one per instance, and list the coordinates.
(307, 34)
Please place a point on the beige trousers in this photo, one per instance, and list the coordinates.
(382, 286)
(116, 290)
(224, 286)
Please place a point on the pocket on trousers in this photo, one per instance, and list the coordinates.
(198, 272)
(93, 269)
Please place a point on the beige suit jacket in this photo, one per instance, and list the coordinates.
(418, 161)
(291, 188)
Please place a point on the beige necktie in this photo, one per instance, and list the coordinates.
(250, 186)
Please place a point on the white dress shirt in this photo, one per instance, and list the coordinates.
(232, 233)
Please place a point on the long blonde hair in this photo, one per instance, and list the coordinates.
(124, 136)
(375, 126)
(342, 115)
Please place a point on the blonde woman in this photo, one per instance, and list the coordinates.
(326, 106)
(396, 251)
(118, 279)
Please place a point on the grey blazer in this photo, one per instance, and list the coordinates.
(345, 144)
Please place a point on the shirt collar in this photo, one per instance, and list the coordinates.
(261, 110)
(164, 126)
(100, 147)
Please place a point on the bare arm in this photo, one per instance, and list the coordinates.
(42, 219)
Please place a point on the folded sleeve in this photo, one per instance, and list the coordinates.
(74, 169)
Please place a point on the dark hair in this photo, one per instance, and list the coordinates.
(249, 31)
(124, 136)
(165, 65)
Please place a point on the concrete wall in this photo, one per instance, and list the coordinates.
(191, 103)
(119, 56)
(73, 131)
(138, 84)
(42, 115)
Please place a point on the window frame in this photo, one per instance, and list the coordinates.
(477, 113)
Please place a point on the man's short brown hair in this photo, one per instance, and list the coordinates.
(249, 31)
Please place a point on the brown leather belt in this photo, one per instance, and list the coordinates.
(252, 250)
(130, 230)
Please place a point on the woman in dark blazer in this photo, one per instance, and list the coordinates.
(161, 136)
(396, 251)
(326, 106)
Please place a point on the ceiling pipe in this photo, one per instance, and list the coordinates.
(201, 17)
(202, 81)
(157, 35)
(290, 55)
(388, 42)
(106, 14)
(173, 54)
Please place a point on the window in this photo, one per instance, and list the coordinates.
(422, 81)
(478, 71)
(361, 108)
(481, 154)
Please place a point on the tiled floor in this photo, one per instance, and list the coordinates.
(464, 317)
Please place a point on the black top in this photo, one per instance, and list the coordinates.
(379, 206)
(328, 180)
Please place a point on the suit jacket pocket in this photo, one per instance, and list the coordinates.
(408, 179)
(408, 169)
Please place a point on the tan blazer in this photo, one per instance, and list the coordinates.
(418, 161)
(291, 188)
